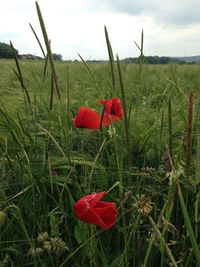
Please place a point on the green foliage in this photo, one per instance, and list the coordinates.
(46, 165)
(57, 56)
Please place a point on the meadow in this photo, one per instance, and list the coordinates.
(47, 164)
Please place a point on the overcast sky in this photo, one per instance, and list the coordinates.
(171, 28)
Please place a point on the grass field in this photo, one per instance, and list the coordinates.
(46, 165)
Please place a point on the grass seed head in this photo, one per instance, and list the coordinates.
(144, 205)
(58, 246)
(42, 237)
(34, 252)
(47, 246)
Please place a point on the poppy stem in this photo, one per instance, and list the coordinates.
(100, 127)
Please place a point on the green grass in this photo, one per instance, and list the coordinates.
(46, 165)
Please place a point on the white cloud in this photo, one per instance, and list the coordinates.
(175, 12)
(78, 26)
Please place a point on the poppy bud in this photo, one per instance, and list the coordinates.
(93, 211)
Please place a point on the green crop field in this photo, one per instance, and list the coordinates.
(147, 162)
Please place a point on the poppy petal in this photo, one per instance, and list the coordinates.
(87, 202)
(106, 215)
(87, 118)
(107, 104)
(113, 110)
(93, 218)
(107, 118)
(102, 217)
(104, 204)
(103, 102)
(100, 213)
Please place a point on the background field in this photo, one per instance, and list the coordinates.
(46, 165)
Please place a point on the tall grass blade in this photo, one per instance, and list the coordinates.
(111, 59)
(68, 91)
(45, 56)
(189, 134)
(48, 47)
(170, 200)
(52, 90)
(170, 128)
(151, 242)
(95, 160)
(45, 68)
(189, 227)
(168, 251)
(6, 155)
(19, 73)
(80, 247)
(141, 48)
(161, 132)
(90, 72)
(38, 40)
(54, 141)
(137, 45)
(142, 54)
(197, 182)
(179, 88)
(126, 126)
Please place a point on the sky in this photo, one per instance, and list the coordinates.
(171, 28)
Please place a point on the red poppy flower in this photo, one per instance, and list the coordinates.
(87, 118)
(113, 110)
(91, 210)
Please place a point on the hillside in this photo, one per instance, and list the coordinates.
(188, 59)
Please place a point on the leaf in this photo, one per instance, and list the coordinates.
(54, 225)
(80, 234)
(116, 261)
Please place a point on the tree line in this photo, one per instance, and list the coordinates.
(154, 60)
(7, 52)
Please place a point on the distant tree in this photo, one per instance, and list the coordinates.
(157, 60)
(6, 51)
(165, 60)
(152, 60)
(57, 56)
